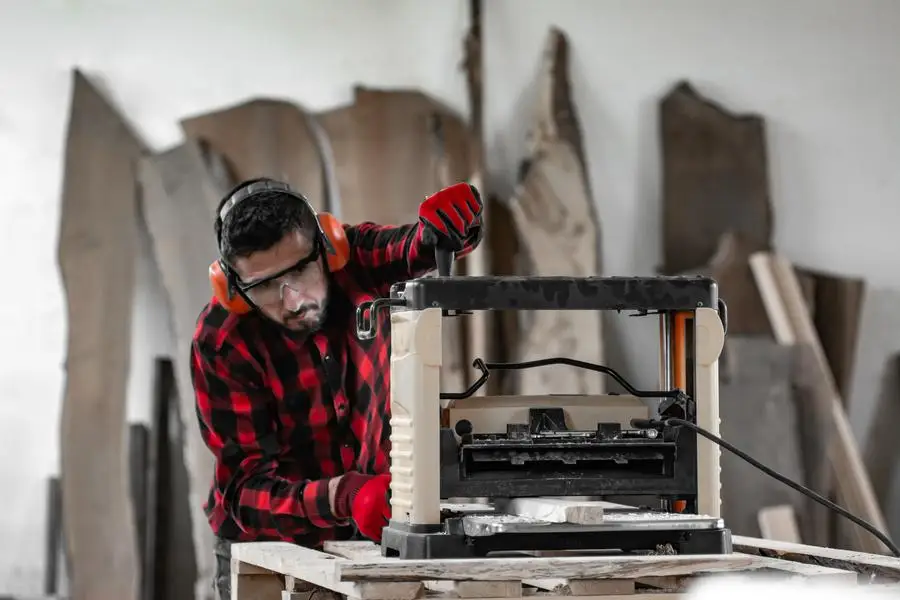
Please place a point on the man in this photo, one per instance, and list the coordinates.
(292, 404)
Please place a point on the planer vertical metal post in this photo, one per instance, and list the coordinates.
(506, 448)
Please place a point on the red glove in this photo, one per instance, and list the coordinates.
(451, 218)
(366, 500)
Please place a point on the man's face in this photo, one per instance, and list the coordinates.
(285, 285)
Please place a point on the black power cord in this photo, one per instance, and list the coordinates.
(673, 421)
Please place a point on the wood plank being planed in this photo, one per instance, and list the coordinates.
(560, 510)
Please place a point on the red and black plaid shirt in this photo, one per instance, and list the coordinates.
(282, 416)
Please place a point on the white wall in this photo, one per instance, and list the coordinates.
(823, 72)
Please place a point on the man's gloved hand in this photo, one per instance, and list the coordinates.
(366, 500)
(451, 217)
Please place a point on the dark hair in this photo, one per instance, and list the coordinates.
(260, 221)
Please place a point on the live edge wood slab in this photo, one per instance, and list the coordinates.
(357, 570)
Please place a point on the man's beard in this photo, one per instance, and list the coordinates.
(298, 320)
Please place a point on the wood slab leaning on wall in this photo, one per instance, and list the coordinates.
(180, 195)
(384, 148)
(391, 150)
(557, 223)
(97, 256)
(715, 179)
(264, 138)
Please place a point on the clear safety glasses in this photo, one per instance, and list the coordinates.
(270, 291)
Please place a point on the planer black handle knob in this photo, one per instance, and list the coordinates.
(444, 260)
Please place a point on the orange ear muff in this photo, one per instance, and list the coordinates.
(218, 280)
(337, 239)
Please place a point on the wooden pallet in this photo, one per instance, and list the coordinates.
(272, 570)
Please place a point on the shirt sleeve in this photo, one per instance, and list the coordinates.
(238, 426)
(393, 253)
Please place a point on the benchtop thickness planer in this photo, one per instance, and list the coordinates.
(650, 488)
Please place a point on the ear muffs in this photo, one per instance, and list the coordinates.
(337, 254)
(222, 290)
(337, 247)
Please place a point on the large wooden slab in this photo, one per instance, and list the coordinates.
(97, 252)
(264, 138)
(555, 215)
(759, 417)
(384, 148)
(715, 178)
(179, 201)
(391, 150)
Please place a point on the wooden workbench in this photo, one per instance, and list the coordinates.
(273, 570)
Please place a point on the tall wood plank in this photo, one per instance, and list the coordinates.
(96, 253)
(179, 200)
(715, 178)
(555, 215)
(264, 138)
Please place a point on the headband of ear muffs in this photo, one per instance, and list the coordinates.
(331, 234)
